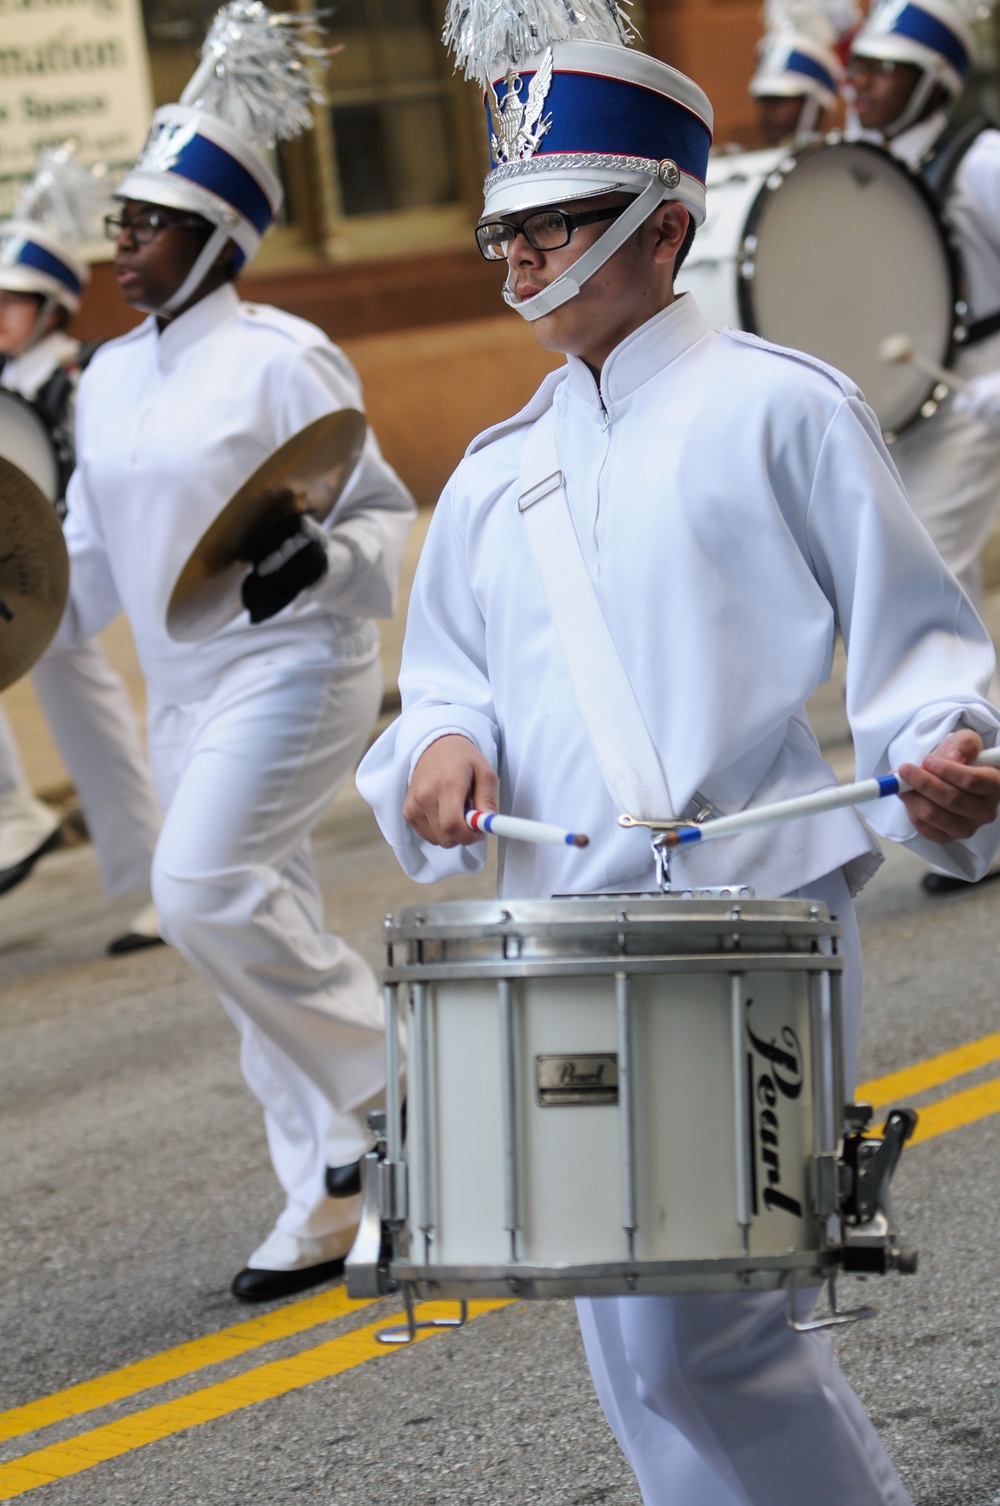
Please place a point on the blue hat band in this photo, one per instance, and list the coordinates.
(592, 113)
(38, 259)
(210, 166)
(800, 62)
(919, 26)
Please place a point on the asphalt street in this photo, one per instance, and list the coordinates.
(135, 1181)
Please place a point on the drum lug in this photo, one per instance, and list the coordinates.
(826, 1187)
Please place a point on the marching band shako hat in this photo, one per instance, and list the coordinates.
(206, 154)
(932, 35)
(56, 213)
(800, 53)
(573, 112)
(790, 64)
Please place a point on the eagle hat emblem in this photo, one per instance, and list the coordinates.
(164, 145)
(518, 126)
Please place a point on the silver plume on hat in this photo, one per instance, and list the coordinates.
(64, 197)
(824, 21)
(256, 72)
(490, 37)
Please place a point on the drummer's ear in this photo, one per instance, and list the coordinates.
(674, 232)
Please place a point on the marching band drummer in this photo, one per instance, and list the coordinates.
(732, 505)
(796, 85)
(908, 67)
(907, 71)
(251, 729)
(85, 701)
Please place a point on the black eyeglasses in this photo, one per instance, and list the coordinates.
(546, 230)
(144, 227)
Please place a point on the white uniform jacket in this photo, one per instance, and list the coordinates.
(169, 425)
(736, 507)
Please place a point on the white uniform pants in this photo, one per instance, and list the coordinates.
(88, 710)
(715, 1401)
(950, 465)
(243, 777)
(11, 770)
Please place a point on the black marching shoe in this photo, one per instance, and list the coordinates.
(344, 1181)
(943, 883)
(266, 1286)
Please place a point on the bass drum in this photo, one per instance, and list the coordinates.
(830, 249)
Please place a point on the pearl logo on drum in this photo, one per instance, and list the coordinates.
(775, 1074)
(589, 1078)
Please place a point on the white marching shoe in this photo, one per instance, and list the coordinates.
(28, 830)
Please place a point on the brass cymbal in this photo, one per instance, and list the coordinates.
(34, 573)
(306, 474)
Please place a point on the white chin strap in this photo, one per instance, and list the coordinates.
(202, 266)
(922, 91)
(808, 116)
(569, 283)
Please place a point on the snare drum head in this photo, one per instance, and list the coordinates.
(849, 251)
(25, 442)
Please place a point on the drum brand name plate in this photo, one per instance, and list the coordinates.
(589, 1077)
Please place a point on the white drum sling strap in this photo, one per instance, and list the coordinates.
(617, 729)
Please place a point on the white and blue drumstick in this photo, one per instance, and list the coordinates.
(524, 831)
(802, 805)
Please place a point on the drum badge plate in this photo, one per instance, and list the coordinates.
(588, 1077)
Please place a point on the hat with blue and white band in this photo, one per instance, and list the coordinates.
(587, 117)
(193, 160)
(33, 261)
(931, 34)
(791, 64)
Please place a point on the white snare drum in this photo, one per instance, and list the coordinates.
(611, 1095)
(829, 249)
(27, 444)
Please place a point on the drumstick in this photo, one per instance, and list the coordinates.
(898, 350)
(524, 831)
(802, 805)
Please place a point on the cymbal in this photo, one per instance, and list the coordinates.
(34, 573)
(306, 474)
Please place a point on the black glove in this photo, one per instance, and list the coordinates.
(288, 560)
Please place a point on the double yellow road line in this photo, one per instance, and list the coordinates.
(59, 1461)
(953, 1111)
(73, 1456)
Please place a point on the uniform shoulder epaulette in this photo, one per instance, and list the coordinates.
(839, 379)
(265, 316)
(533, 409)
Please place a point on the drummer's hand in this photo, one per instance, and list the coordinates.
(950, 799)
(451, 777)
(295, 559)
(981, 399)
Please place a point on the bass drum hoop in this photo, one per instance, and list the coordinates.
(36, 457)
(934, 391)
